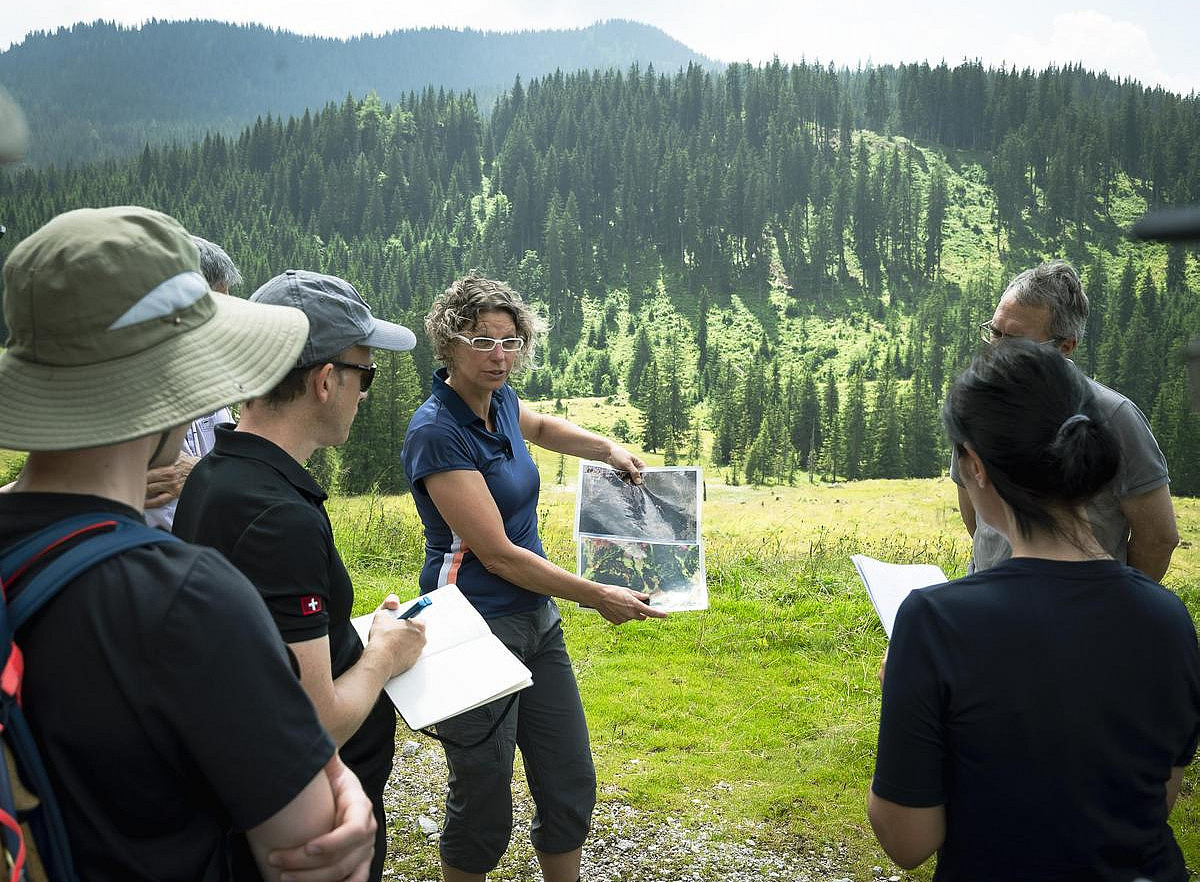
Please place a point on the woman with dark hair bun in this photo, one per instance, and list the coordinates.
(1037, 716)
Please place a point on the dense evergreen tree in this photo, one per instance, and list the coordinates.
(924, 453)
(1176, 425)
(637, 365)
(886, 456)
(854, 429)
(655, 429)
(735, 232)
(935, 217)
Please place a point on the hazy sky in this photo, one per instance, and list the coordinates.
(1154, 40)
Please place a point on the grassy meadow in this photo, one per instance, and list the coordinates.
(762, 710)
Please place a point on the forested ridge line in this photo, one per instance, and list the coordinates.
(104, 90)
(780, 266)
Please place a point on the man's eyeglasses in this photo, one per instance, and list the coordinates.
(487, 344)
(366, 378)
(991, 334)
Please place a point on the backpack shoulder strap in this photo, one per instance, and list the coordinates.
(54, 555)
(72, 545)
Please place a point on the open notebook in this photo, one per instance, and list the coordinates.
(462, 666)
(888, 584)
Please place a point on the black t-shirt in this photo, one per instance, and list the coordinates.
(259, 507)
(163, 702)
(1044, 703)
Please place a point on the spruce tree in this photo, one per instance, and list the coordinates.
(885, 459)
(1097, 294)
(854, 427)
(637, 365)
(923, 456)
(650, 399)
(935, 217)
(1176, 426)
(676, 408)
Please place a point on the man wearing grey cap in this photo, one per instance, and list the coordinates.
(252, 499)
(158, 691)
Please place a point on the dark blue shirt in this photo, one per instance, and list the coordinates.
(1044, 704)
(445, 435)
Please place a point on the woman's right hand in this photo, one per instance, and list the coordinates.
(620, 605)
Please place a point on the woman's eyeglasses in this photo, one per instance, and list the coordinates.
(487, 344)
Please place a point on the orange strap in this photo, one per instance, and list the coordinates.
(17, 864)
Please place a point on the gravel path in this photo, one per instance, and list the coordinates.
(625, 844)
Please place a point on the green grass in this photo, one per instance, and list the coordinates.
(10, 465)
(764, 708)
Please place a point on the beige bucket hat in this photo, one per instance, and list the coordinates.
(114, 334)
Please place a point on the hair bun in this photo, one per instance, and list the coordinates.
(1068, 422)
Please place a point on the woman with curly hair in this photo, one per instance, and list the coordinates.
(476, 490)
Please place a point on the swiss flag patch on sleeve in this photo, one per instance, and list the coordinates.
(311, 605)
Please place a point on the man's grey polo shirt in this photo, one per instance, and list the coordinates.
(1143, 468)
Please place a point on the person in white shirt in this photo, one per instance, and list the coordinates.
(164, 484)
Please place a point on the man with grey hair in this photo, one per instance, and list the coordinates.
(217, 267)
(164, 484)
(1133, 517)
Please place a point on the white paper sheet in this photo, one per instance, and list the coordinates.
(888, 584)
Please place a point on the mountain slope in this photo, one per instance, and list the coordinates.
(732, 253)
(99, 90)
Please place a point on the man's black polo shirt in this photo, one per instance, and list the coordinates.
(163, 702)
(253, 502)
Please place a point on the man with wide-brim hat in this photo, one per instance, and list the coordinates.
(159, 692)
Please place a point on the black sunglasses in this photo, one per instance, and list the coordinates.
(368, 372)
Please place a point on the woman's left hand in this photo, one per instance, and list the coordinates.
(624, 461)
(620, 605)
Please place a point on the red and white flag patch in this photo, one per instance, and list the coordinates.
(311, 605)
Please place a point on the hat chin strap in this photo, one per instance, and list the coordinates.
(162, 442)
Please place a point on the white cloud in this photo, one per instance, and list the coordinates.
(1149, 41)
(1097, 40)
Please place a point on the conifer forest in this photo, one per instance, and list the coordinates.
(779, 266)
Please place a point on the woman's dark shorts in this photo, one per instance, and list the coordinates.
(547, 723)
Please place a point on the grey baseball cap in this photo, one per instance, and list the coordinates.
(338, 317)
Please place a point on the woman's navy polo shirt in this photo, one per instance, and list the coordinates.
(445, 435)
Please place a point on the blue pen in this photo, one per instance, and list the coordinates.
(415, 610)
